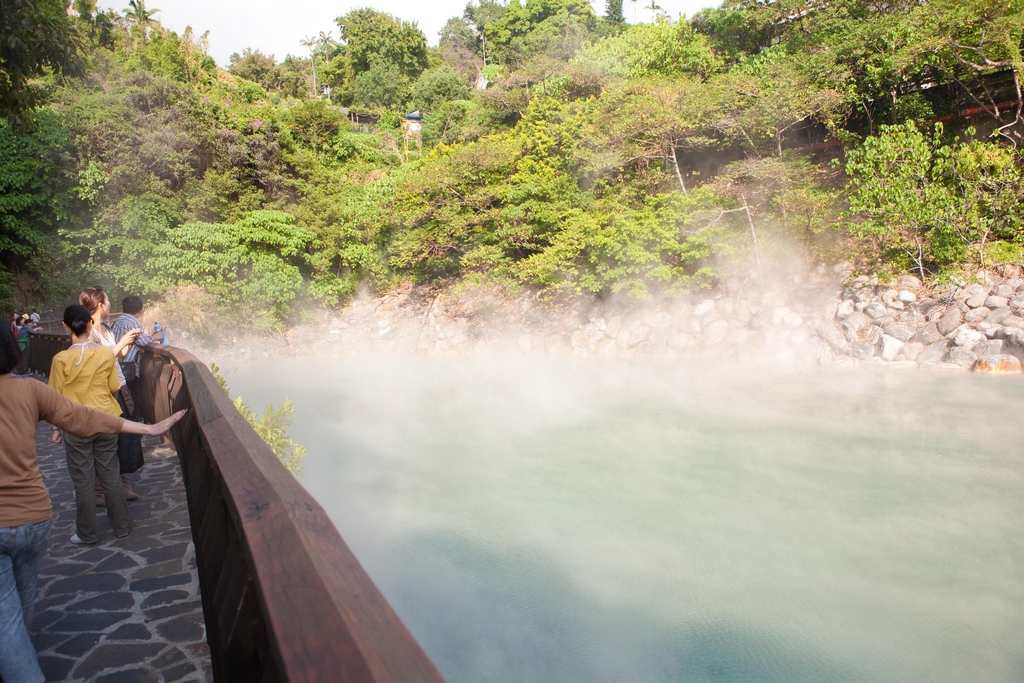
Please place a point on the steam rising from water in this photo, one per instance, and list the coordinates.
(597, 520)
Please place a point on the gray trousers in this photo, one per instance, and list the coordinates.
(88, 460)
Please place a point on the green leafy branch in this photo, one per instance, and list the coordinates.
(272, 427)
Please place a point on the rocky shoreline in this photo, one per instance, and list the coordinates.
(827, 319)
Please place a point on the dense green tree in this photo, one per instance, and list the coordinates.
(253, 267)
(35, 196)
(613, 12)
(661, 48)
(381, 87)
(36, 37)
(436, 86)
(556, 28)
(257, 67)
(370, 35)
(926, 202)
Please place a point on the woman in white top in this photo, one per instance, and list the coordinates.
(96, 300)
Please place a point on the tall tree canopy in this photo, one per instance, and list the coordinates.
(36, 37)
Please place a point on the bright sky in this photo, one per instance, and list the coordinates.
(276, 27)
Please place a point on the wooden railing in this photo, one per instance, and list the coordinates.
(283, 596)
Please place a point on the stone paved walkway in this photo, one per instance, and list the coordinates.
(123, 610)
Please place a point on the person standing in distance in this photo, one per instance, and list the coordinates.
(131, 307)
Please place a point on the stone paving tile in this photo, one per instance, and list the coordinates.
(125, 609)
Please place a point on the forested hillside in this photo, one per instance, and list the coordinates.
(561, 149)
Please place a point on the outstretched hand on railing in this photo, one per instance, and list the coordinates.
(159, 428)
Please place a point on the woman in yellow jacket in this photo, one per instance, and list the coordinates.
(87, 373)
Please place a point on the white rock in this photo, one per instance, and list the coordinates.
(637, 335)
(779, 314)
(844, 309)
(977, 300)
(888, 347)
(613, 327)
(658, 320)
(703, 307)
(793, 320)
(965, 336)
(715, 333)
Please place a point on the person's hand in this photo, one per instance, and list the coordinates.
(55, 436)
(163, 425)
(133, 334)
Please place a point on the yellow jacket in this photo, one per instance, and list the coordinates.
(87, 377)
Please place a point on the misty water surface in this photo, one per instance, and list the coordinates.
(589, 521)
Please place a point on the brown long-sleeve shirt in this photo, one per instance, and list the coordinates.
(23, 403)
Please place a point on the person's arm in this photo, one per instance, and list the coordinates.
(121, 350)
(82, 421)
(159, 428)
(114, 379)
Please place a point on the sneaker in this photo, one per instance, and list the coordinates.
(76, 539)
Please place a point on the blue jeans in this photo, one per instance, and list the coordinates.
(21, 549)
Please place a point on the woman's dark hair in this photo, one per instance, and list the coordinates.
(92, 298)
(77, 318)
(10, 354)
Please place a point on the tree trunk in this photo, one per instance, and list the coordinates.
(753, 237)
(675, 162)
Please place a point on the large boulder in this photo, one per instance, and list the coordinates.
(933, 354)
(855, 322)
(971, 291)
(963, 357)
(966, 337)
(703, 307)
(909, 282)
(996, 301)
(844, 309)
(991, 347)
(998, 364)
(876, 310)
(928, 335)
(949, 321)
(658, 319)
(910, 351)
(861, 350)
(888, 347)
(1013, 342)
(976, 315)
(998, 315)
(901, 331)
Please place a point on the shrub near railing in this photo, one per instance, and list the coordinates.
(284, 598)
